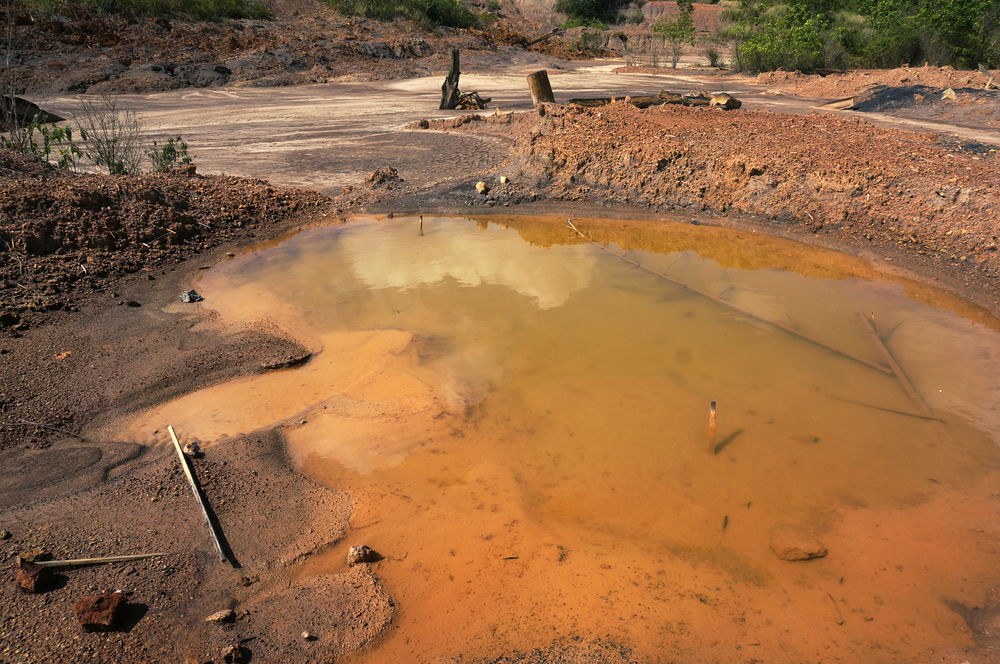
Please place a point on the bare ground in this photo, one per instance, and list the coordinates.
(91, 331)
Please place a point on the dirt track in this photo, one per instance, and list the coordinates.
(325, 137)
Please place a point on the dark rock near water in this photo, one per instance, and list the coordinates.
(359, 553)
(191, 296)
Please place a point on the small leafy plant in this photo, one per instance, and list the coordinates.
(53, 138)
(174, 153)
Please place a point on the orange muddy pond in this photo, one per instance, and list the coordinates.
(522, 417)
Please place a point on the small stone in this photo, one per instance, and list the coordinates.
(949, 94)
(99, 613)
(235, 654)
(192, 450)
(32, 578)
(4, 534)
(191, 296)
(306, 636)
(503, 179)
(359, 553)
(424, 124)
(482, 187)
(791, 544)
(224, 616)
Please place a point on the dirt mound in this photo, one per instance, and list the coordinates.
(63, 234)
(969, 106)
(836, 175)
(123, 54)
(852, 83)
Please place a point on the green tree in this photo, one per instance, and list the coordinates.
(676, 33)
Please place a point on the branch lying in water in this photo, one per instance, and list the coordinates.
(781, 326)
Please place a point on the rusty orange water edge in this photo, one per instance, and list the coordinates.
(523, 425)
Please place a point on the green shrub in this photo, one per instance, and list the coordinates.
(584, 23)
(601, 11)
(450, 13)
(174, 153)
(676, 33)
(494, 5)
(635, 18)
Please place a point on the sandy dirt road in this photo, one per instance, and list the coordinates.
(324, 137)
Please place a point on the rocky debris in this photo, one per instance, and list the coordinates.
(190, 296)
(33, 578)
(359, 553)
(235, 654)
(246, 581)
(224, 616)
(794, 545)
(97, 613)
(383, 178)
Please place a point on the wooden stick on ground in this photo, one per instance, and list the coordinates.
(82, 562)
(197, 494)
(711, 431)
(746, 312)
(894, 365)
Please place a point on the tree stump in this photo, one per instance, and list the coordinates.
(450, 93)
(541, 91)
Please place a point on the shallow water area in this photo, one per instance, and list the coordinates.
(522, 414)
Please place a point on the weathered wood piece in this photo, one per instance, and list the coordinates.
(84, 562)
(543, 38)
(197, 494)
(711, 432)
(450, 94)
(541, 91)
(721, 100)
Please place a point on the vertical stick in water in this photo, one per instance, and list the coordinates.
(421, 225)
(711, 428)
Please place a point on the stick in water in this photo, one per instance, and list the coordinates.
(83, 562)
(197, 494)
(897, 370)
(421, 225)
(711, 428)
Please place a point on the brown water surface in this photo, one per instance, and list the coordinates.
(523, 415)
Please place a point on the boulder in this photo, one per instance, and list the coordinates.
(793, 544)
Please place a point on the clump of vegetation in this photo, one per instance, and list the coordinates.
(449, 13)
(112, 139)
(804, 34)
(174, 153)
(203, 10)
(40, 138)
(590, 13)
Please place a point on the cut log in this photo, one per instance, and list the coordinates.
(541, 91)
(450, 94)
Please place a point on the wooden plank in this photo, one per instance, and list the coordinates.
(711, 432)
(197, 495)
